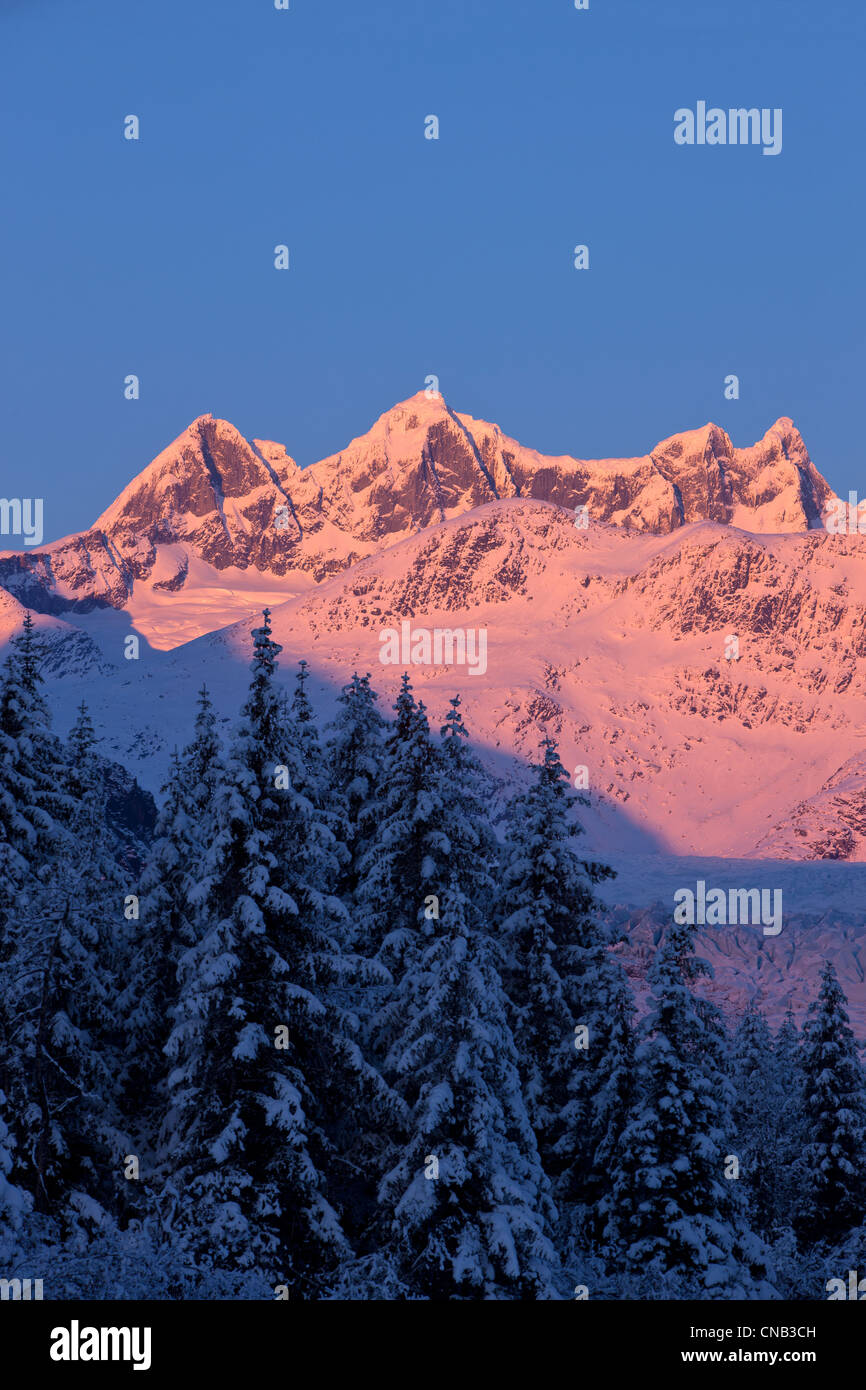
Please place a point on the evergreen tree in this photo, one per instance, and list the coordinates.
(260, 1050)
(405, 859)
(756, 1115)
(166, 925)
(559, 979)
(59, 1060)
(17, 839)
(834, 1195)
(25, 726)
(311, 776)
(471, 851)
(61, 1067)
(81, 746)
(90, 877)
(786, 1052)
(675, 1218)
(354, 757)
(305, 734)
(15, 1204)
(84, 812)
(789, 1117)
(22, 706)
(467, 1203)
(607, 1079)
(203, 768)
(171, 889)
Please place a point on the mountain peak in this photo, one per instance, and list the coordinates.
(416, 412)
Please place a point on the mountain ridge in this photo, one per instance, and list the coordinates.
(244, 508)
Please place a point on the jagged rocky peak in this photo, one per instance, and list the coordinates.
(218, 498)
(210, 464)
(423, 462)
(770, 487)
(211, 490)
(418, 465)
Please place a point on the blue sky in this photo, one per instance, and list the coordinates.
(412, 257)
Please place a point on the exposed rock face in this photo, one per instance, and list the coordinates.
(212, 490)
(831, 824)
(422, 462)
(231, 503)
(772, 487)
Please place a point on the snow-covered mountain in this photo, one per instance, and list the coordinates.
(218, 524)
(619, 643)
(734, 762)
(614, 635)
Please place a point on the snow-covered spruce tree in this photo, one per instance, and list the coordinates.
(833, 1198)
(22, 706)
(786, 1054)
(204, 768)
(354, 753)
(60, 1027)
(466, 1206)
(456, 840)
(313, 779)
(676, 1223)
(32, 787)
(472, 850)
(607, 1081)
(571, 1005)
(259, 1050)
(25, 720)
(756, 1116)
(22, 840)
(316, 861)
(92, 879)
(169, 919)
(62, 1068)
(85, 811)
(155, 940)
(445, 801)
(15, 1204)
(311, 773)
(17, 841)
(404, 859)
(429, 822)
(789, 1121)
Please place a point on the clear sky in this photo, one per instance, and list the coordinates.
(409, 256)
